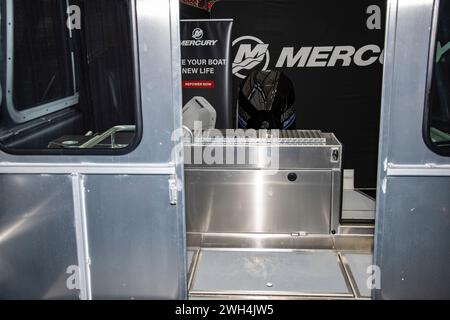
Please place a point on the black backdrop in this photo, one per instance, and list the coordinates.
(190, 12)
(340, 99)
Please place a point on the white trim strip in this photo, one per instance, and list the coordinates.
(83, 254)
(428, 170)
(87, 168)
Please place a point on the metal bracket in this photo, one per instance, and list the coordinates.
(173, 191)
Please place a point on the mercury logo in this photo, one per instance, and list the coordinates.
(197, 34)
(250, 53)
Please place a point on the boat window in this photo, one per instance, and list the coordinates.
(70, 76)
(39, 52)
(437, 117)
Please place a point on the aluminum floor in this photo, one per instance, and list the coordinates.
(277, 274)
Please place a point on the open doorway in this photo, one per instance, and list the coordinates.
(306, 82)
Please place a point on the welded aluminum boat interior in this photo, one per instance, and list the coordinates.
(108, 193)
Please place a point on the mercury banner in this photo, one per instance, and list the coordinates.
(329, 56)
(206, 70)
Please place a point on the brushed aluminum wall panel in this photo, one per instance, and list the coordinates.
(37, 237)
(133, 238)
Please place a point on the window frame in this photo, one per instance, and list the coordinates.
(426, 127)
(137, 106)
(39, 110)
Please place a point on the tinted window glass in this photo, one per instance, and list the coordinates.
(439, 99)
(42, 63)
(73, 79)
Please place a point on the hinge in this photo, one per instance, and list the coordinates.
(173, 191)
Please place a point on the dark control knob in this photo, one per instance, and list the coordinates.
(292, 177)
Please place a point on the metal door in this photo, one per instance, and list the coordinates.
(95, 227)
(412, 242)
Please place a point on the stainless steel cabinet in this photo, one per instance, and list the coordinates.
(292, 185)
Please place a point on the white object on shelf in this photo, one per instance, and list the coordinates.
(198, 109)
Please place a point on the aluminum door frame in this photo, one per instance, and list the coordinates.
(158, 75)
(404, 214)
